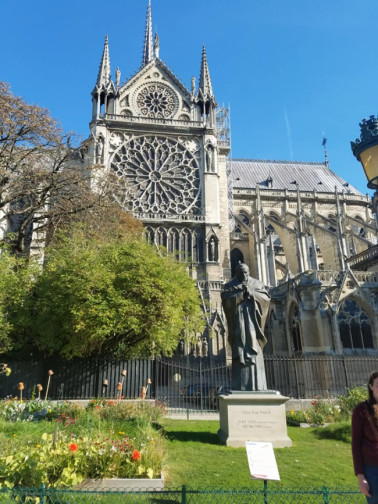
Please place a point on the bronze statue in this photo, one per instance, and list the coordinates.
(245, 303)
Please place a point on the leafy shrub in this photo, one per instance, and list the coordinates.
(349, 401)
(143, 411)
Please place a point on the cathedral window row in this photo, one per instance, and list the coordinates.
(185, 244)
(354, 326)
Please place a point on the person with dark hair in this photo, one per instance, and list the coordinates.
(365, 442)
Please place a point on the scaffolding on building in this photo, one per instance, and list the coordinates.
(223, 122)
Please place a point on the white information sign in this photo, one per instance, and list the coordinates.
(261, 460)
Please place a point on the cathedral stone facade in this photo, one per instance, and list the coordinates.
(298, 226)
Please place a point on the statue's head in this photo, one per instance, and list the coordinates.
(242, 272)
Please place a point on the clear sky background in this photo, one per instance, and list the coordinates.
(289, 69)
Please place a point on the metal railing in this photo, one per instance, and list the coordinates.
(185, 495)
(189, 382)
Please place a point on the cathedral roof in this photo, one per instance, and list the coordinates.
(279, 175)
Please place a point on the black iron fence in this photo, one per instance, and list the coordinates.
(185, 495)
(80, 378)
(186, 382)
(323, 375)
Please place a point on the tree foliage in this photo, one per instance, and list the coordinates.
(43, 182)
(111, 297)
(101, 290)
(16, 283)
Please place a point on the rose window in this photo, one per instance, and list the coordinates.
(157, 100)
(156, 175)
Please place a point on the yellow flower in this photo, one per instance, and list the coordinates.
(291, 412)
(38, 446)
(122, 433)
(14, 435)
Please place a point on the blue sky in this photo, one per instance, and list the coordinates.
(289, 69)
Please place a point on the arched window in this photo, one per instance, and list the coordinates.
(236, 256)
(173, 241)
(197, 247)
(186, 245)
(354, 326)
(296, 340)
(150, 235)
(161, 237)
(244, 218)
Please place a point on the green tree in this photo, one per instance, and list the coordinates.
(16, 282)
(111, 297)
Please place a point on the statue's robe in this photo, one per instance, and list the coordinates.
(246, 306)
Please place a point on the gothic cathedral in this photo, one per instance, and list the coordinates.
(302, 230)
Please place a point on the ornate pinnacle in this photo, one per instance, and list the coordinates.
(205, 81)
(103, 77)
(148, 50)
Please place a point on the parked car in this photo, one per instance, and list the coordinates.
(208, 393)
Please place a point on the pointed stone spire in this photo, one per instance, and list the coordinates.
(205, 90)
(148, 49)
(103, 77)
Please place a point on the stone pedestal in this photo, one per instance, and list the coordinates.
(253, 416)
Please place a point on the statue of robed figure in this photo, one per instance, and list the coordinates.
(245, 303)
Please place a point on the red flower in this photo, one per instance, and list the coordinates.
(136, 456)
(314, 403)
(73, 447)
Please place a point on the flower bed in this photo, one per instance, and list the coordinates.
(111, 441)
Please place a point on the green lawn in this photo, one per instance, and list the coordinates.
(319, 456)
(194, 456)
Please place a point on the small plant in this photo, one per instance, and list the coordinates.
(5, 369)
(349, 401)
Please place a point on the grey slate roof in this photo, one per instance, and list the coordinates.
(246, 173)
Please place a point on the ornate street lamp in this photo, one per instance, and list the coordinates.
(365, 149)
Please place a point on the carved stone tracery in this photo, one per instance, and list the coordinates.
(157, 175)
(156, 100)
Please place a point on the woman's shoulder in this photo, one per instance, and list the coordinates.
(361, 407)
